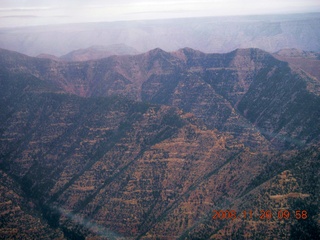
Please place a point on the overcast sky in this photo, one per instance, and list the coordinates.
(43, 12)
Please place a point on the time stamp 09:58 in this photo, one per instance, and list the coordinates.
(262, 214)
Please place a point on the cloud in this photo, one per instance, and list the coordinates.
(20, 16)
(89, 224)
(26, 9)
(32, 16)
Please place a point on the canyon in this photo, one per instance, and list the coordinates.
(146, 146)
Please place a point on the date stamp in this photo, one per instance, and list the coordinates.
(283, 214)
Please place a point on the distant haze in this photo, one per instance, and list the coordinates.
(44, 12)
(211, 34)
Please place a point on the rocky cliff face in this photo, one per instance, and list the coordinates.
(147, 146)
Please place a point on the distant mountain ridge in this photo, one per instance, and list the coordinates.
(209, 34)
(93, 53)
(97, 52)
(148, 145)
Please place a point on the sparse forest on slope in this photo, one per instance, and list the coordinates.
(147, 146)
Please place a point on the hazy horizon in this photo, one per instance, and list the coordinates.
(36, 12)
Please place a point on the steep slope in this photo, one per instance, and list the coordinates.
(19, 217)
(96, 169)
(279, 106)
(225, 90)
(112, 167)
(107, 166)
(282, 202)
(308, 62)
